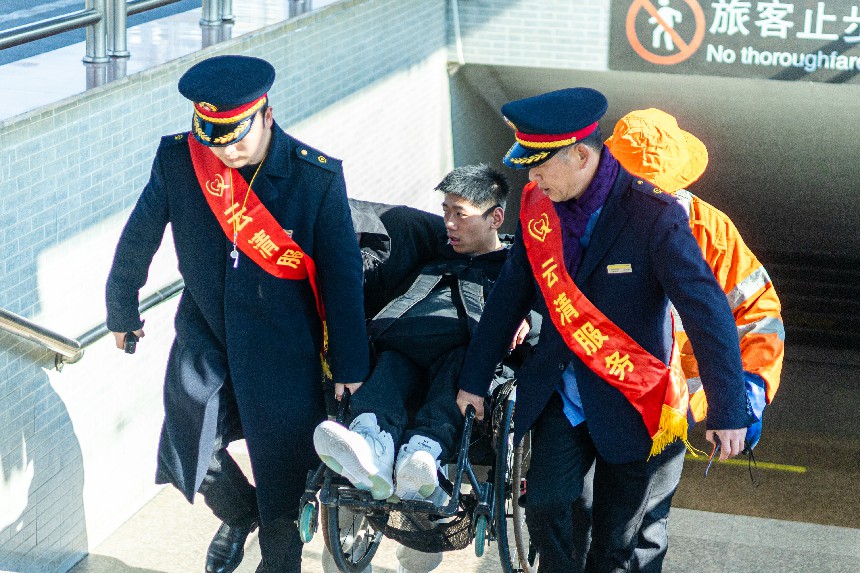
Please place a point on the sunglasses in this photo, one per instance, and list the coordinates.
(714, 453)
(755, 474)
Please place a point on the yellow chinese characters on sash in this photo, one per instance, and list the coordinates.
(658, 392)
(258, 234)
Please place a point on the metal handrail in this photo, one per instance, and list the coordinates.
(48, 27)
(118, 13)
(68, 350)
(105, 21)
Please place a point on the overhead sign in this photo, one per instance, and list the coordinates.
(787, 40)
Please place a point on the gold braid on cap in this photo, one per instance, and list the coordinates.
(227, 138)
(546, 144)
(530, 159)
(238, 117)
(198, 131)
(224, 139)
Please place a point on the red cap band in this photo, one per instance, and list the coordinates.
(553, 140)
(207, 111)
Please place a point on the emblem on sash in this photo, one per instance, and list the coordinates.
(538, 228)
(217, 186)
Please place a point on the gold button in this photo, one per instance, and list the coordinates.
(304, 151)
(321, 159)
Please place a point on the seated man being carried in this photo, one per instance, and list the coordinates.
(419, 340)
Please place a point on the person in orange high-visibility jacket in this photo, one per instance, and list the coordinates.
(649, 143)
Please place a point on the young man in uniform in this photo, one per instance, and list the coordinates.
(272, 300)
(603, 253)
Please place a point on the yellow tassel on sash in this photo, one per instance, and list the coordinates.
(673, 426)
(325, 367)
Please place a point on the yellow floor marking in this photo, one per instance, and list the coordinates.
(760, 465)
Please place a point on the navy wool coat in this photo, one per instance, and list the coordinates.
(243, 326)
(650, 231)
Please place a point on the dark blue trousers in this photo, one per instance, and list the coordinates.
(397, 386)
(233, 499)
(653, 539)
(562, 455)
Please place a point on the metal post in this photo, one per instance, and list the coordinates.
(227, 11)
(209, 12)
(209, 35)
(226, 29)
(96, 51)
(117, 29)
(297, 8)
(97, 74)
(117, 69)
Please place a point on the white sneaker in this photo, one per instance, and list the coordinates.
(416, 468)
(363, 454)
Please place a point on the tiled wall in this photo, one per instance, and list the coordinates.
(364, 80)
(564, 34)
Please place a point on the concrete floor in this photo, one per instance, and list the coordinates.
(170, 536)
(803, 517)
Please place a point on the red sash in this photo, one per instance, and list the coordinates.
(658, 393)
(258, 234)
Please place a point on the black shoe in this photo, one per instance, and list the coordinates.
(227, 548)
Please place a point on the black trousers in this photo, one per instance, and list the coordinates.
(653, 538)
(397, 386)
(561, 457)
(233, 500)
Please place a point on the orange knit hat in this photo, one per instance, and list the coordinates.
(649, 144)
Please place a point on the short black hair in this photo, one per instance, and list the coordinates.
(594, 140)
(479, 184)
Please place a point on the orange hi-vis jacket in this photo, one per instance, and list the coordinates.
(751, 295)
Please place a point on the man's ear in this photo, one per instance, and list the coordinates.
(268, 118)
(580, 154)
(498, 217)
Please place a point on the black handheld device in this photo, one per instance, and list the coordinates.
(130, 342)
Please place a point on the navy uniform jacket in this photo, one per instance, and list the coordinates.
(244, 326)
(650, 231)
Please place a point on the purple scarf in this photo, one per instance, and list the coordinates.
(575, 213)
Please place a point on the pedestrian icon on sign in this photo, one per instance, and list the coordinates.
(679, 40)
(668, 16)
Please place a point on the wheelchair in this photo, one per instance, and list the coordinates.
(479, 510)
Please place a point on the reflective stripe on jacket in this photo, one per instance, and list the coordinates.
(750, 293)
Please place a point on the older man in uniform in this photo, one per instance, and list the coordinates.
(272, 300)
(603, 253)
(650, 144)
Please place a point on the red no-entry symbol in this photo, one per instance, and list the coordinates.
(685, 48)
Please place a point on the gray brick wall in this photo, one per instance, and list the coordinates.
(69, 174)
(564, 34)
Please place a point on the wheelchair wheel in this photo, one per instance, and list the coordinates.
(480, 535)
(516, 553)
(308, 522)
(350, 538)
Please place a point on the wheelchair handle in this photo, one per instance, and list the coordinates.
(470, 413)
(343, 405)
